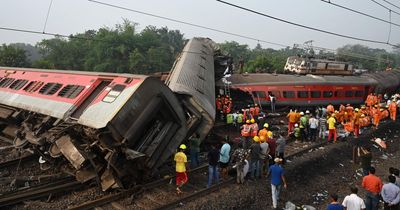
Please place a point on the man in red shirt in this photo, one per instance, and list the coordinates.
(373, 185)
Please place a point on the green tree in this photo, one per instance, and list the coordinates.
(13, 56)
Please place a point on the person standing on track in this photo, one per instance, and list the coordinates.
(313, 124)
(213, 173)
(334, 205)
(277, 174)
(180, 168)
(352, 201)
(373, 185)
(224, 156)
(391, 194)
(332, 128)
(292, 118)
(322, 127)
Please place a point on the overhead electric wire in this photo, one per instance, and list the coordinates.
(93, 39)
(47, 16)
(307, 27)
(391, 4)
(187, 23)
(385, 7)
(358, 12)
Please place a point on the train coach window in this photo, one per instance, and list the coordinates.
(339, 93)
(348, 93)
(288, 94)
(315, 94)
(114, 93)
(71, 91)
(302, 94)
(50, 88)
(6, 82)
(33, 86)
(18, 84)
(327, 94)
(359, 93)
(259, 94)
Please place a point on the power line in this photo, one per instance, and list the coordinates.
(361, 13)
(385, 7)
(47, 16)
(307, 27)
(187, 23)
(392, 4)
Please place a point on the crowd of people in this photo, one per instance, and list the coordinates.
(260, 153)
(376, 191)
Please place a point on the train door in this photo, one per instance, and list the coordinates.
(98, 86)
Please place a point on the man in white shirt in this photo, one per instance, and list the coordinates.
(352, 201)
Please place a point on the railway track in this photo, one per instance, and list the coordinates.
(17, 161)
(161, 193)
(39, 191)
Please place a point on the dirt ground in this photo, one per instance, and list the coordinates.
(312, 177)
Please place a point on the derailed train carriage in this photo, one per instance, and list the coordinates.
(114, 128)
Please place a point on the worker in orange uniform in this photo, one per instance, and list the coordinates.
(292, 118)
(376, 116)
(356, 122)
(246, 113)
(393, 109)
(342, 108)
(368, 101)
(330, 109)
(218, 104)
(245, 133)
(263, 133)
(350, 111)
(332, 127)
(254, 128)
(373, 186)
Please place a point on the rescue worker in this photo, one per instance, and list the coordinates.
(376, 116)
(332, 128)
(245, 133)
(254, 128)
(356, 122)
(218, 103)
(297, 133)
(263, 133)
(393, 109)
(292, 118)
(350, 111)
(181, 160)
(330, 109)
(303, 126)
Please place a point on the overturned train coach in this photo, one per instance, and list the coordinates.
(115, 128)
(310, 90)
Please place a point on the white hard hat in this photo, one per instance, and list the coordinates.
(301, 113)
(307, 112)
(296, 125)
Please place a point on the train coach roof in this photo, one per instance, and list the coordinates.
(285, 79)
(89, 73)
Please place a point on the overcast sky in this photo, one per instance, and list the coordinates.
(76, 16)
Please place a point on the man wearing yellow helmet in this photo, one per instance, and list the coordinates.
(255, 152)
(180, 168)
(263, 133)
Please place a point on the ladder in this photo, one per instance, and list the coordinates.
(227, 89)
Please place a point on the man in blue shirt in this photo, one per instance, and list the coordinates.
(277, 178)
(391, 194)
(335, 205)
(224, 158)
